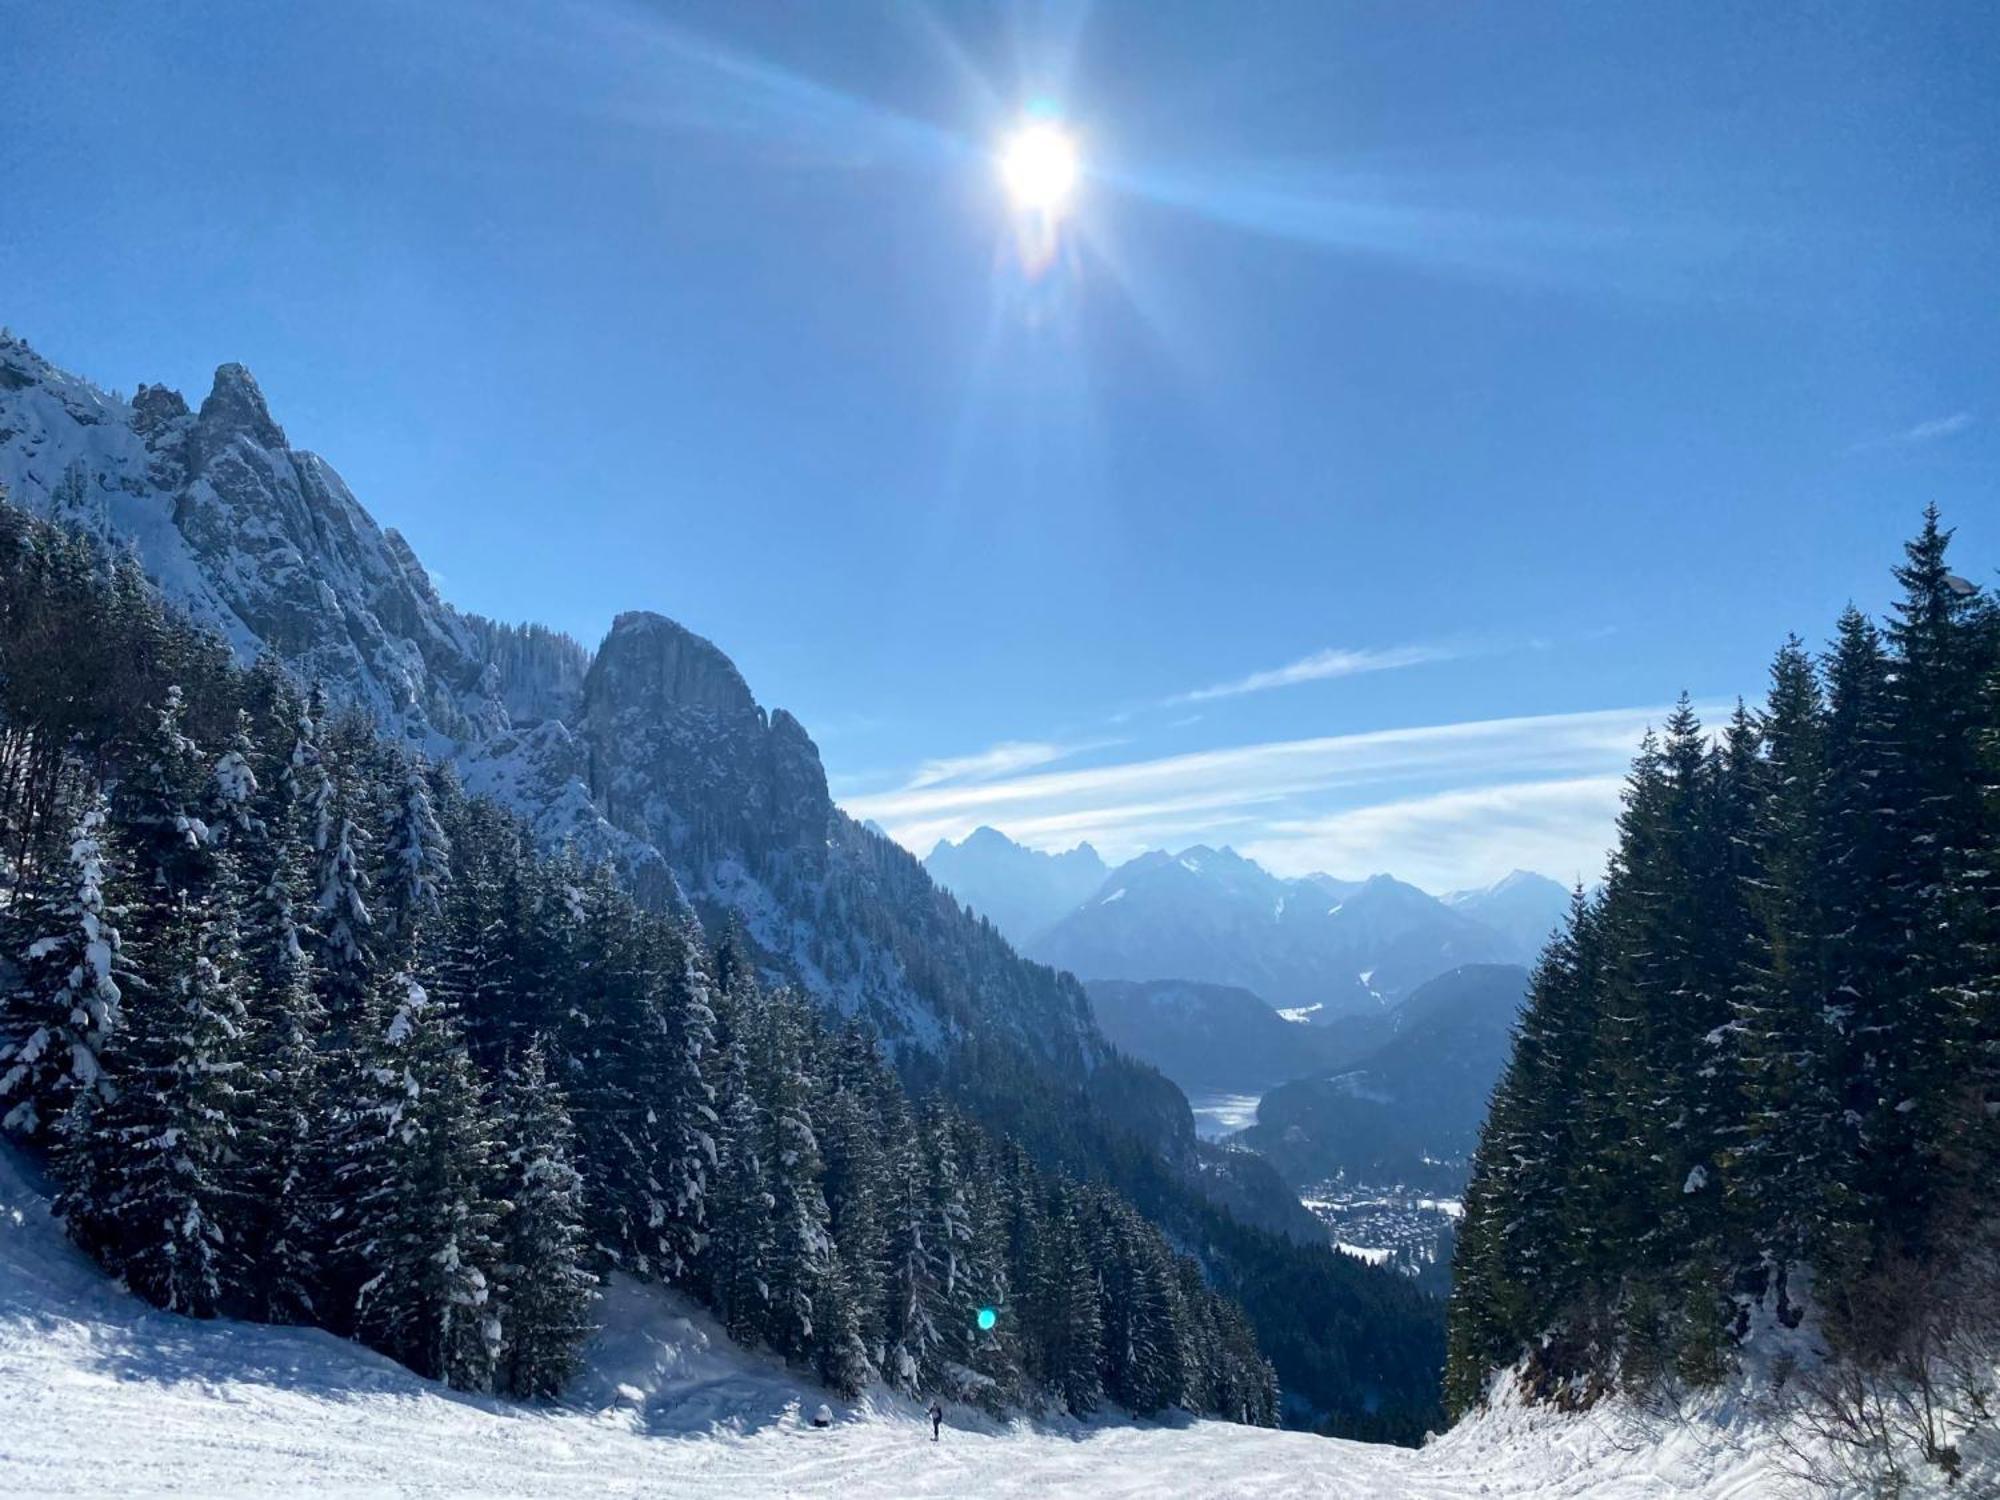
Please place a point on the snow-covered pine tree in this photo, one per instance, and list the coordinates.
(1787, 1044)
(471, 947)
(995, 1352)
(1861, 932)
(1141, 1355)
(418, 1176)
(336, 790)
(233, 787)
(274, 840)
(606, 1039)
(288, 1102)
(681, 1005)
(55, 1026)
(157, 807)
(547, 1289)
(152, 1172)
(1940, 884)
(1206, 1358)
(948, 1238)
(1526, 1246)
(799, 1245)
(1160, 1380)
(737, 1257)
(912, 1296)
(416, 860)
(1018, 1228)
(857, 1194)
(839, 1351)
(288, 1116)
(1069, 1294)
(1249, 1385)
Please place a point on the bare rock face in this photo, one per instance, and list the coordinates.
(235, 408)
(682, 756)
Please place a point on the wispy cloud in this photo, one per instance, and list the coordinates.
(1302, 802)
(1332, 662)
(998, 760)
(1932, 431)
(1938, 427)
(1561, 827)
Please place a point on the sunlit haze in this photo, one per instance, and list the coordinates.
(1039, 165)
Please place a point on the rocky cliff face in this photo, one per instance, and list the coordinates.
(682, 756)
(653, 752)
(261, 541)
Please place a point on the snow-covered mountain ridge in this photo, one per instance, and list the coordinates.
(651, 751)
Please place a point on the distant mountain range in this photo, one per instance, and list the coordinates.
(1318, 947)
(1022, 891)
(1523, 908)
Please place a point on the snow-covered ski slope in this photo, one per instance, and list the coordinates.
(101, 1395)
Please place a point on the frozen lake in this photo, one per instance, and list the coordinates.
(1217, 1115)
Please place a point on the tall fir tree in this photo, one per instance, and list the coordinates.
(151, 1173)
(799, 1246)
(416, 860)
(736, 1258)
(336, 789)
(546, 1287)
(75, 973)
(419, 1180)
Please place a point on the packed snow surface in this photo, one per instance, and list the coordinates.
(102, 1395)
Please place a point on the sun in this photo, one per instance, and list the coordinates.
(1039, 165)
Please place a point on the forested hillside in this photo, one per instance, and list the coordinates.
(1758, 1077)
(309, 1036)
(1408, 1110)
(653, 752)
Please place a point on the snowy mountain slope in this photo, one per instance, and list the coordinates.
(1215, 1037)
(104, 1395)
(652, 751)
(1210, 915)
(1523, 907)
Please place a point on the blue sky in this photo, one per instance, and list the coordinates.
(1420, 395)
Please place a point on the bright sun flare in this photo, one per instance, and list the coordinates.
(1039, 166)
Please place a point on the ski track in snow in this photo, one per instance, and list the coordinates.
(103, 1395)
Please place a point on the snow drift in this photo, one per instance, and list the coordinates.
(104, 1395)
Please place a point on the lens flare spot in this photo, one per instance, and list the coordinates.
(987, 1318)
(1039, 165)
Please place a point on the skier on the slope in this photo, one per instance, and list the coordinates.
(937, 1419)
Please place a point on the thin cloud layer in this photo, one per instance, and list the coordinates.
(1932, 431)
(1000, 760)
(1561, 828)
(1447, 803)
(1319, 667)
